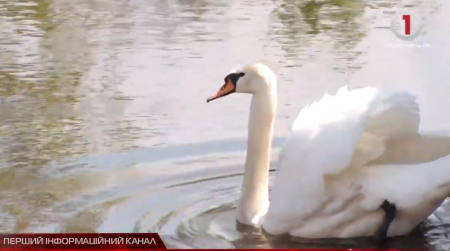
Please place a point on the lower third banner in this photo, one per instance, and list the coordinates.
(91, 242)
(125, 241)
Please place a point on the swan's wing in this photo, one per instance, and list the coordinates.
(414, 149)
(352, 124)
(392, 115)
(324, 139)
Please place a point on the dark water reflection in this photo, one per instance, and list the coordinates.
(103, 121)
(306, 24)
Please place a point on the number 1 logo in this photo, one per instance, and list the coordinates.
(407, 25)
(407, 19)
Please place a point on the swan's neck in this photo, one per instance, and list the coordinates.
(254, 200)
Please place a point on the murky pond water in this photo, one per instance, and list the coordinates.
(103, 120)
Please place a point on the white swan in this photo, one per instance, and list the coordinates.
(350, 162)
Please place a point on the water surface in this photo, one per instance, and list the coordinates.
(104, 125)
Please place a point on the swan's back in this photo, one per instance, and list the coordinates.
(347, 130)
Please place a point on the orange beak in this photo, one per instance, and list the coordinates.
(226, 89)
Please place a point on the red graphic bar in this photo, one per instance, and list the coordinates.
(124, 241)
(99, 242)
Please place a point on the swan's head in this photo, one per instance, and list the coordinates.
(251, 79)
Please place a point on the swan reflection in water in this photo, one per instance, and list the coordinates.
(217, 228)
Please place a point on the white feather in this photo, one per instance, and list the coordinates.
(323, 186)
